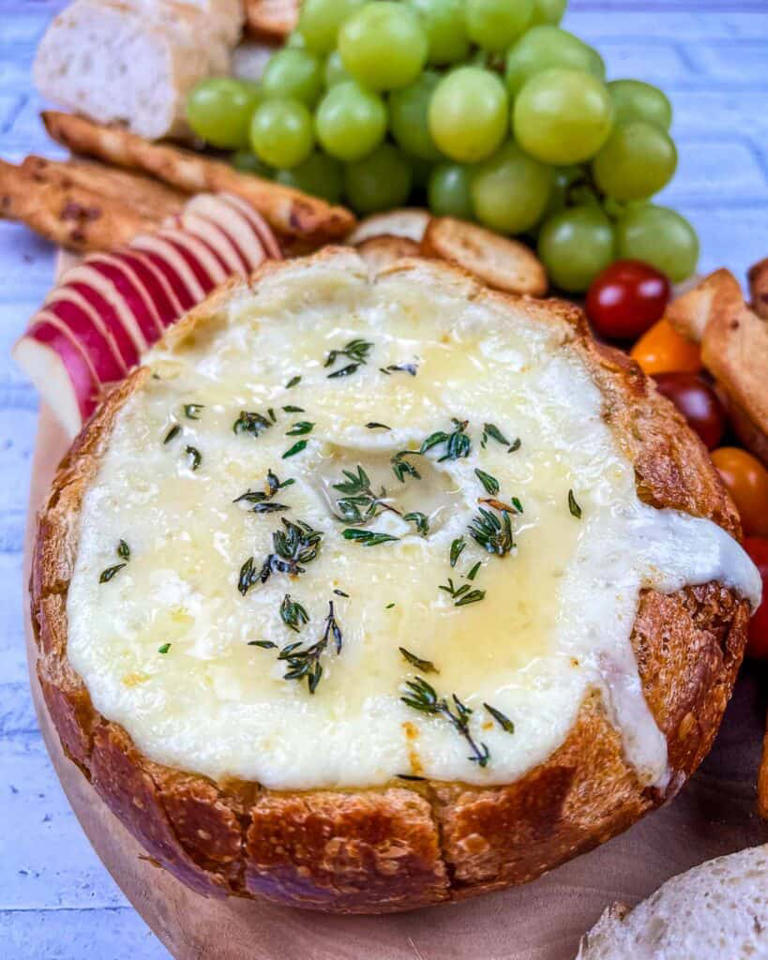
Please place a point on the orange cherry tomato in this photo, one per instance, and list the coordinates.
(663, 350)
(757, 645)
(747, 482)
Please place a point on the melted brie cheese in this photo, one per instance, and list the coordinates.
(168, 646)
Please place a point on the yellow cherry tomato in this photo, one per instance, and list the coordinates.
(663, 350)
(747, 482)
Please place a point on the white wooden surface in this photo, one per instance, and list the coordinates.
(711, 56)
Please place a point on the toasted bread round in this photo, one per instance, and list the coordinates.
(412, 841)
(409, 223)
(497, 261)
(383, 250)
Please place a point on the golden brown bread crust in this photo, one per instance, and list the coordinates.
(409, 844)
(290, 212)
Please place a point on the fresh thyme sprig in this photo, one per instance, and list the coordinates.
(360, 504)
(426, 666)
(402, 468)
(457, 442)
(462, 595)
(124, 553)
(293, 614)
(306, 663)
(422, 696)
(262, 500)
(356, 350)
(293, 546)
(490, 484)
(249, 421)
(491, 533)
(368, 538)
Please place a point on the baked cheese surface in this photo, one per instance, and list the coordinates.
(437, 501)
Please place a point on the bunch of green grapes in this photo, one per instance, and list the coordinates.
(484, 109)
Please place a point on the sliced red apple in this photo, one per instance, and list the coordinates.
(55, 364)
(107, 310)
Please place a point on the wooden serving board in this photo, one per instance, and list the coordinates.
(714, 815)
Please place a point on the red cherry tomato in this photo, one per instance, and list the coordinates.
(697, 402)
(747, 482)
(757, 646)
(626, 299)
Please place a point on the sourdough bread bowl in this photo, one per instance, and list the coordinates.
(369, 592)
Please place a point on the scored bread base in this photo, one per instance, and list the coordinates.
(556, 618)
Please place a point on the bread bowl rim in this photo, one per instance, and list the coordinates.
(401, 845)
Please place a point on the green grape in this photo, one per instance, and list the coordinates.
(661, 237)
(635, 100)
(562, 116)
(448, 191)
(548, 11)
(219, 111)
(468, 114)
(319, 175)
(296, 40)
(281, 132)
(379, 181)
(247, 162)
(494, 24)
(637, 160)
(510, 190)
(446, 28)
(350, 121)
(334, 71)
(575, 245)
(320, 21)
(293, 74)
(408, 117)
(383, 45)
(544, 47)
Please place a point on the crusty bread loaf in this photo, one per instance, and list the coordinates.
(120, 61)
(717, 911)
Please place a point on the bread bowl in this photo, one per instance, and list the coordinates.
(401, 808)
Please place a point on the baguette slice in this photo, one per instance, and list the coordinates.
(717, 911)
(114, 62)
(734, 348)
(383, 250)
(502, 263)
(290, 212)
(69, 214)
(409, 222)
(271, 19)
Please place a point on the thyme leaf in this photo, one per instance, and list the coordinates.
(420, 521)
(305, 663)
(293, 614)
(249, 421)
(300, 429)
(296, 448)
(195, 457)
(502, 719)
(422, 696)
(124, 552)
(173, 432)
(192, 410)
(411, 368)
(373, 425)
(367, 537)
(356, 350)
(264, 644)
(165, 647)
(456, 548)
(294, 381)
(490, 484)
(573, 506)
(426, 666)
(262, 499)
(290, 408)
